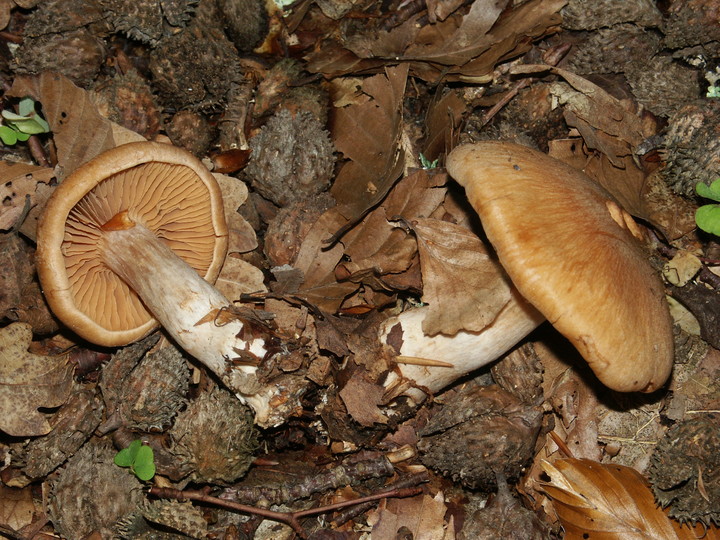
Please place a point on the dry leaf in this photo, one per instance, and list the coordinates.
(373, 247)
(597, 109)
(420, 517)
(79, 132)
(316, 262)
(29, 382)
(604, 502)
(21, 299)
(460, 47)
(242, 237)
(464, 286)
(458, 40)
(16, 507)
(361, 400)
(238, 277)
(18, 187)
(368, 135)
(443, 120)
(378, 245)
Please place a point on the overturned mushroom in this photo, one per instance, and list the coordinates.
(132, 239)
(573, 253)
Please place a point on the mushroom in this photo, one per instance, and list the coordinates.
(131, 239)
(574, 254)
(435, 362)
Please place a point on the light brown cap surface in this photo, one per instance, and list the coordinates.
(162, 187)
(569, 249)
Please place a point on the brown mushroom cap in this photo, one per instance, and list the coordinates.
(162, 187)
(569, 249)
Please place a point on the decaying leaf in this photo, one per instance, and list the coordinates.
(373, 247)
(16, 506)
(463, 46)
(376, 245)
(21, 299)
(18, 187)
(29, 382)
(80, 133)
(464, 285)
(605, 502)
(234, 194)
(368, 134)
(420, 517)
(361, 399)
(239, 277)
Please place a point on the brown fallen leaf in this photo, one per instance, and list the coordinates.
(234, 194)
(420, 517)
(21, 299)
(18, 187)
(464, 285)
(16, 507)
(463, 46)
(606, 502)
(443, 119)
(362, 400)
(383, 247)
(239, 277)
(79, 132)
(373, 246)
(29, 382)
(368, 135)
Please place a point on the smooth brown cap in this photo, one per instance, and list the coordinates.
(162, 187)
(569, 249)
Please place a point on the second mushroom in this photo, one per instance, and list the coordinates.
(573, 253)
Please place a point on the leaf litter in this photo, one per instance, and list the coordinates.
(392, 82)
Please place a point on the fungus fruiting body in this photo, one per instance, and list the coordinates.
(575, 255)
(465, 351)
(133, 238)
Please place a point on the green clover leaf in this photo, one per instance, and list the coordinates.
(139, 458)
(24, 123)
(707, 217)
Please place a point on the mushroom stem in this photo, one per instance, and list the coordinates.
(176, 295)
(466, 351)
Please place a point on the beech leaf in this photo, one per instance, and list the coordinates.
(605, 502)
(18, 190)
(28, 382)
(465, 287)
(368, 135)
(80, 133)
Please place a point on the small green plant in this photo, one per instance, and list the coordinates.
(707, 216)
(139, 458)
(19, 127)
(425, 163)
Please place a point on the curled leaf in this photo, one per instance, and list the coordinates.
(604, 502)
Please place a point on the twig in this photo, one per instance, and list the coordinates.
(355, 511)
(340, 475)
(551, 58)
(292, 519)
(37, 151)
(564, 448)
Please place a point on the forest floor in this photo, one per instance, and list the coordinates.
(390, 398)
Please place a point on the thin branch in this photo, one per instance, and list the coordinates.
(289, 518)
